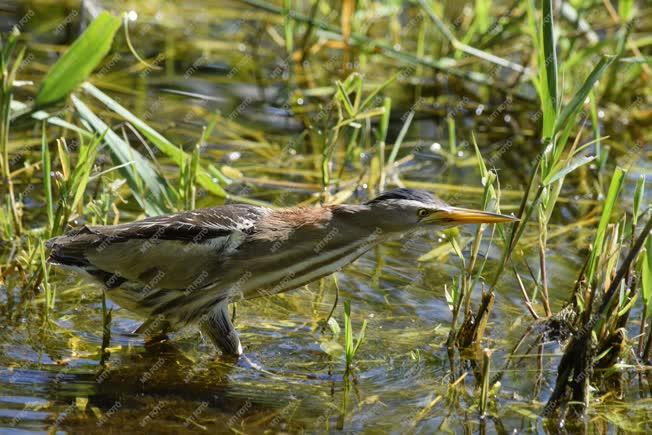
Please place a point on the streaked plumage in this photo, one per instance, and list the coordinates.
(185, 268)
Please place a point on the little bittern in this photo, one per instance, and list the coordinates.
(186, 268)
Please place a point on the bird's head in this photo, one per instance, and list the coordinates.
(401, 210)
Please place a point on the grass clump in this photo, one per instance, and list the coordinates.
(351, 348)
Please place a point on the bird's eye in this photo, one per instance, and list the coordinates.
(422, 213)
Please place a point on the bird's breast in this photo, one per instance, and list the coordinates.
(280, 266)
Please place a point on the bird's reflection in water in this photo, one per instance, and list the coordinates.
(166, 386)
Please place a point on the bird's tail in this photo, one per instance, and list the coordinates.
(69, 249)
(69, 252)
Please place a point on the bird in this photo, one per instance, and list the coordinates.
(186, 268)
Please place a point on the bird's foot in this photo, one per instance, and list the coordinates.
(154, 340)
(245, 362)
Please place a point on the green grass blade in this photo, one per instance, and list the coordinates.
(562, 170)
(625, 8)
(382, 138)
(595, 123)
(550, 53)
(639, 194)
(400, 138)
(167, 147)
(341, 92)
(47, 289)
(646, 276)
(191, 178)
(478, 155)
(82, 171)
(47, 179)
(155, 202)
(19, 108)
(79, 60)
(361, 337)
(348, 333)
(162, 143)
(571, 109)
(376, 91)
(610, 201)
(64, 158)
(452, 142)
(547, 80)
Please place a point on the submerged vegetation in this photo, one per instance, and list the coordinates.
(533, 108)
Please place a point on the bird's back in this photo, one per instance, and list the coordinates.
(159, 258)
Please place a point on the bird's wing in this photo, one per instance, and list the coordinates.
(180, 251)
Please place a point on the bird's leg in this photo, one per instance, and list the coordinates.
(217, 326)
(157, 337)
(154, 330)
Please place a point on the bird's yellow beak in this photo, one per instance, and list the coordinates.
(461, 216)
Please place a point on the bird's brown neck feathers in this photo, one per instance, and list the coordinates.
(279, 224)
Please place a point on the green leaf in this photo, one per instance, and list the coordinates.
(79, 60)
(162, 143)
(18, 108)
(639, 194)
(49, 291)
(456, 247)
(646, 276)
(578, 99)
(341, 92)
(563, 169)
(400, 138)
(612, 196)
(379, 89)
(481, 165)
(625, 8)
(348, 333)
(47, 179)
(82, 172)
(350, 348)
(154, 200)
(546, 82)
(550, 54)
(361, 336)
(384, 121)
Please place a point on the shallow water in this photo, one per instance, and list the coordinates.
(56, 377)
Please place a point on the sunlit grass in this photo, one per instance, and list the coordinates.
(351, 347)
